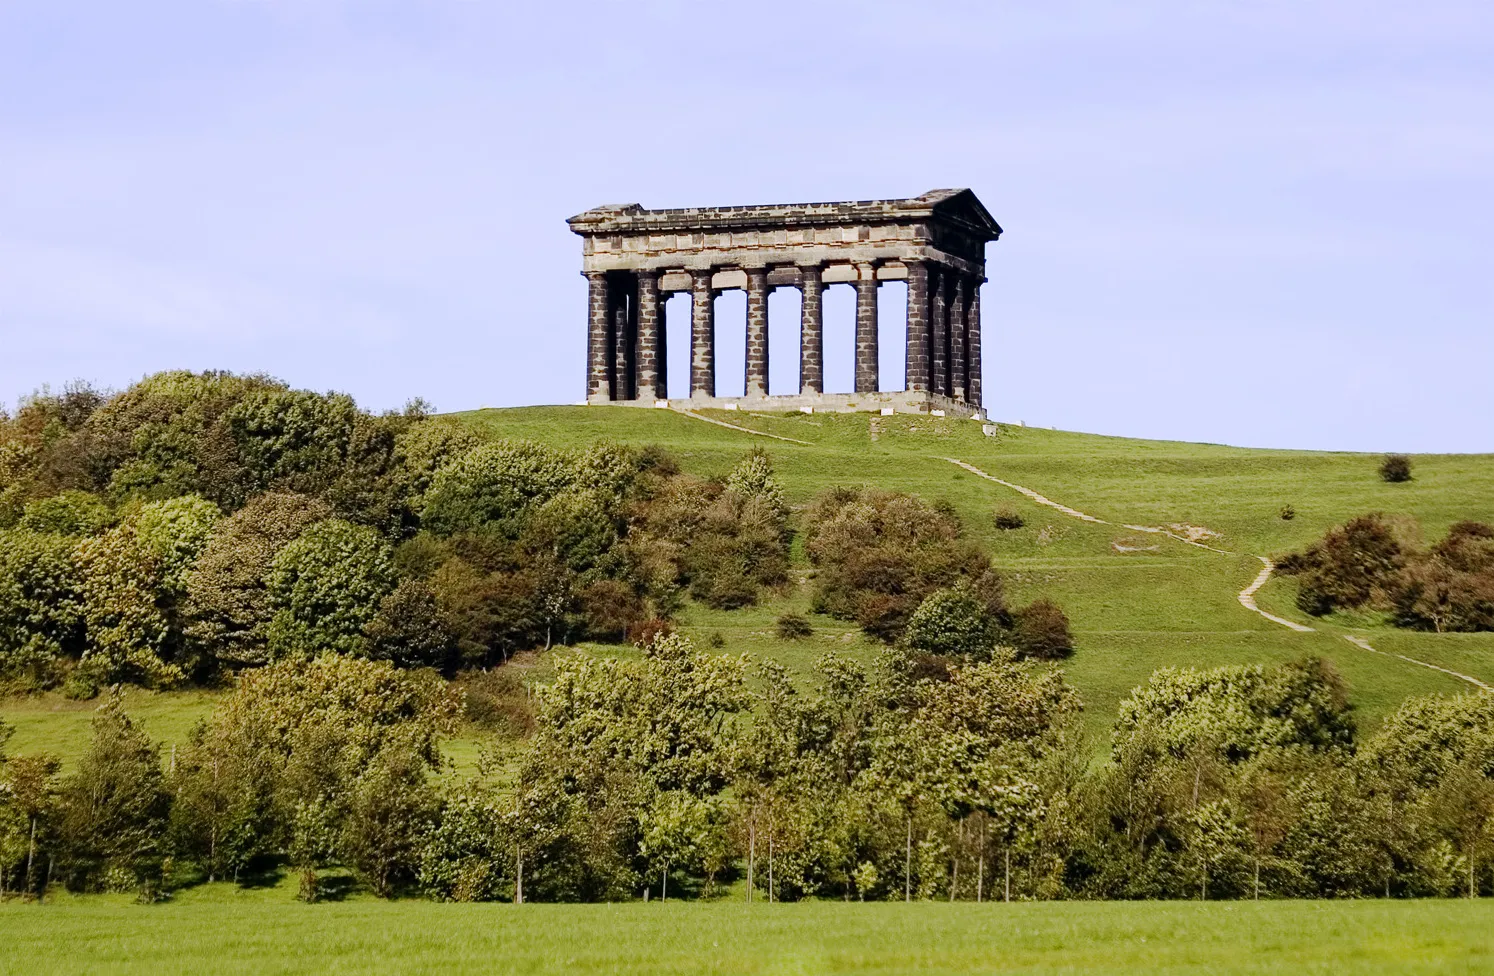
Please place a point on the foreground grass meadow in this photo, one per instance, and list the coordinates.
(221, 932)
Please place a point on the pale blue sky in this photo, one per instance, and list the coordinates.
(1263, 223)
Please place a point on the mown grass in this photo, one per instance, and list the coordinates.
(1137, 601)
(218, 929)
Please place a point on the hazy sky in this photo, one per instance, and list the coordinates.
(1264, 223)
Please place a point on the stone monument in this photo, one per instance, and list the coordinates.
(633, 259)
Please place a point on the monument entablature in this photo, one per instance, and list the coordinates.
(634, 259)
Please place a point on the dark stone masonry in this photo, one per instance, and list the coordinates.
(634, 259)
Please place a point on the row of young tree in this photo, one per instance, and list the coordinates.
(678, 772)
(1379, 563)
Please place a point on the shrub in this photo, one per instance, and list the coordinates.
(954, 622)
(791, 626)
(1007, 518)
(879, 554)
(1041, 630)
(1287, 513)
(1352, 566)
(1395, 468)
(645, 632)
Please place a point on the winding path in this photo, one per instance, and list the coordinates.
(745, 430)
(1245, 596)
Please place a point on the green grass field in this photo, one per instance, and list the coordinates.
(1138, 601)
(217, 929)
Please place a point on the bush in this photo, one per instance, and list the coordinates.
(1352, 566)
(952, 622)
(1041, 630)
(879, 554)
(1395, 468)
(645, 632)
(1287, 513)
(71, 512)
(791, 626)
(1007, 518)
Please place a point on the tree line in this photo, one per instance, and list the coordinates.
(677, 772)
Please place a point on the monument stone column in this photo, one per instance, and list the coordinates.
(624, 336)
(702, 335)
(866, 328)
(650, 352)
(938, 331)
(757, 332)
(972, 345)
(811, 330)
(957, 339)
(916, 366)
(599, 338)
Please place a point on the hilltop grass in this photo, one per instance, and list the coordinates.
(220, 929)
(1137, 601)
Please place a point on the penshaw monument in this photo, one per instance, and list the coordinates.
(634, 259)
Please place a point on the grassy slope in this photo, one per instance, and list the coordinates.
(218, 929)
(1133, 612)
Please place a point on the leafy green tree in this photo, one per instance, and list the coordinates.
(1242, 708)
(28, 797)
(41, 614)
(493, 486)
(175, 532)
(71, 512)
(128, 628)
(753, 478)
(410, 630)
(467, 855)
(113, 810)
(228, 607)
(952, 621)
(325, 588)
(279, 767)
(390, 806)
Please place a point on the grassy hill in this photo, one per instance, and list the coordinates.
(1137, 600)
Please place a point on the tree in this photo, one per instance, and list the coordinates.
(325, 587)
(494, 485)
(390, 807)
(1241, 709)
(410, 629)
(125, 612)
(113, 810)
(71, 512)
(228, 607)
(28, 795)
(1354, 565)
(41, 614)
